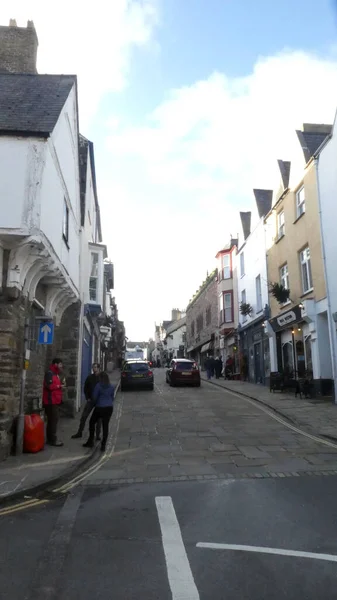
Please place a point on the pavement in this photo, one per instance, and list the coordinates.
(317, 415)
(203, 494)
(28, 472)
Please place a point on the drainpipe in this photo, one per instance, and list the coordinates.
(332, 327)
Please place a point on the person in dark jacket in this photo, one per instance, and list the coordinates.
(103, 396)
(218, 367)
(89, 386)
(52, 398)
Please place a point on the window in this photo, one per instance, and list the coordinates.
(93, 281)
(228, 308)
(280, 225)
(243, 301)
(192, 329)
(226, 266)
(300, 202)
(65, 223)
(258, 293)
(284, 278)
(306, 270)
(242, 264)
(208, 315)
(200, 323)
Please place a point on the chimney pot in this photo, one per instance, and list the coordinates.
(12, 23)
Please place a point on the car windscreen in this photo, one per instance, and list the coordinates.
(133, 367)
(184, 366)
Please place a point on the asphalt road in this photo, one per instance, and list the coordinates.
(215, 539)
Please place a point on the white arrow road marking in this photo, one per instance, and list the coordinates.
(178, 567)
(46, 331)
(264, 550)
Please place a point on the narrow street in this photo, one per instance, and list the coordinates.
(205, 496)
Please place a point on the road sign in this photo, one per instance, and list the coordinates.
(46, 332)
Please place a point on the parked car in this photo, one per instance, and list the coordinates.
(182, 371)
(136, 373)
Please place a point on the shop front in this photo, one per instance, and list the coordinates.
(293, 343)
(254, 353)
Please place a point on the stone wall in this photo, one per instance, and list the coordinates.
(13, 312)
(208, 297)
(12, 316)
(66, 346)
(18, 49)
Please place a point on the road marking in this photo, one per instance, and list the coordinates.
(22, 506)
(264, 550)
(49, 571)
(276, 417)
(178, 567)
(105, 457)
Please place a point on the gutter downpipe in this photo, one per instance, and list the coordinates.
(332, 328)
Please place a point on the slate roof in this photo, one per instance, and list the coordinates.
(264, 200)
(284, 166)
(31, 104)
(311, 140)
(245, 222)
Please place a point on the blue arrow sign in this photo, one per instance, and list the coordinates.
(46, 332)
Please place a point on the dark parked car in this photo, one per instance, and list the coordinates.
(182, 370)
(136, 373)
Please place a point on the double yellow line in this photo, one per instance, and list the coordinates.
(63, 489)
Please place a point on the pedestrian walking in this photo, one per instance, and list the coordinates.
(208, 367)
(89, 386)
(103, 396)
(52, 398)
(218, 367)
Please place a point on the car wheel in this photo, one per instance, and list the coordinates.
(151, 388)
(197, 384)
(171, 383)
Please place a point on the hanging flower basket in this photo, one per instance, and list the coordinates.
(280, 293)
(246, 309)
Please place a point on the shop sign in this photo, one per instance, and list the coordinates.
(286, 319)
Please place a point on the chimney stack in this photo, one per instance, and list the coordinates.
(245, 222)
(18, 48)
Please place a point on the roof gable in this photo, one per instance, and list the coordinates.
(32, 104)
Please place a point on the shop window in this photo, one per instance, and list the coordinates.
(308, 354)
(288, 358)
(300, 357)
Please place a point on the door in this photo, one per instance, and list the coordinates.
(86, 358)
(257, 362)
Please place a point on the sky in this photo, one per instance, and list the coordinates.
(189, 104)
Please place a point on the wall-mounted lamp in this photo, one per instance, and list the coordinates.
(301, 305)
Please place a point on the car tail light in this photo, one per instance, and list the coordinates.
(123, 374)
(195, 366)
(150, 373)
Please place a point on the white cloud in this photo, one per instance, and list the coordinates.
(92, 40)
(196, 159)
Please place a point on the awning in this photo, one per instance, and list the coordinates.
(205, 347)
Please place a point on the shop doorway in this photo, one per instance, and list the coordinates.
(300, 358)
(288, 358)
(257, 362)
